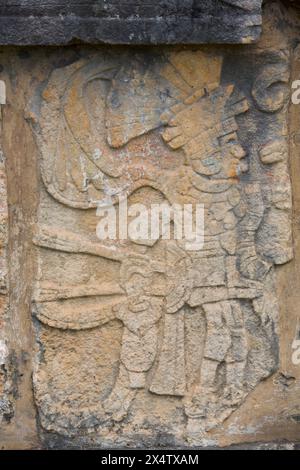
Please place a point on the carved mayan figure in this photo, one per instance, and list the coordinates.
(166, 128)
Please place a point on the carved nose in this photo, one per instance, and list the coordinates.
(238, 151)
(242, 167)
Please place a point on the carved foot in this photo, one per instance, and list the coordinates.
(118, 403)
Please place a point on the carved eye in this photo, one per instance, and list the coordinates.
(210, 161)
(207, 166)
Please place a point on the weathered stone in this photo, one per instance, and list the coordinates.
(147, 341)
(6, 408)
(27, 22)
(167, 126)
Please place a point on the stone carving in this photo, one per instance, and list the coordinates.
(196, 330)
(6, 410)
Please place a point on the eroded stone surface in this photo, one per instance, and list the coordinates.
(6, 409)
(145, 343)
(134, 337)
(54, 22)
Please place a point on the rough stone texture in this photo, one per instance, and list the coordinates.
(54, 22)
(6, 410)
(187, 335)
(149, 344)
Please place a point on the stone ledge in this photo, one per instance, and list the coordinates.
(27, 23)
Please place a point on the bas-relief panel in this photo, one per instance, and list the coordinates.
(149, 337)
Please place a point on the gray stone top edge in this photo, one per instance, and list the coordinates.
(24, 23)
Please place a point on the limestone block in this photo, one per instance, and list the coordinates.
(6, 407)
(172, 126)
(54, 22)
(147, 342)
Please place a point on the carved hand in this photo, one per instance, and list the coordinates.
(185, 120)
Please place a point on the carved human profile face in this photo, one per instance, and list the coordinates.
(226, 163)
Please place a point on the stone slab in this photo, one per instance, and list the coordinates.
(28, 22)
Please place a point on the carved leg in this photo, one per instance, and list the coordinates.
(169, 377)
(235, 392)
(200, 408)
(119, 401)
(220, 389)
(137, 357)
